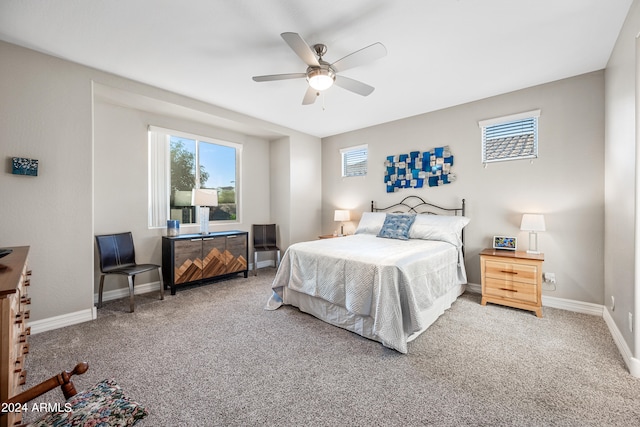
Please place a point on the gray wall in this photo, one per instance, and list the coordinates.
(48, 112)
(565, 183)
(621, 187)
(45, 114)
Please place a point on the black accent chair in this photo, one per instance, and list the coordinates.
(264, 240)
(117, 256)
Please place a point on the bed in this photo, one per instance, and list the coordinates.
(390, 281)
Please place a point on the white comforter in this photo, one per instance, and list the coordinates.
(389, 280)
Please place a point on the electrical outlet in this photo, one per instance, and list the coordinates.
(550, 277)
(613, 303)
(630, 322)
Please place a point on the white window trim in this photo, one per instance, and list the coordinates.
(159, 180)
(346, 150)
(510, 118)
(482, 124)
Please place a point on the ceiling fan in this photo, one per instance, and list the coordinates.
(320, 74)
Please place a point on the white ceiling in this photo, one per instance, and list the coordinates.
(440, 52)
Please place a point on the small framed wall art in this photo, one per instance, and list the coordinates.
(504, 242)
(23, 166)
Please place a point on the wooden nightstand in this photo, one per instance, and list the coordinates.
(327, 236)
(512, 278)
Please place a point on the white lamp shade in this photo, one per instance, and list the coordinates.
(532, 222)
(341, 215)
(204, 197)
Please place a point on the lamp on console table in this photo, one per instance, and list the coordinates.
(533, 223)
(204, 198)
(341, 216)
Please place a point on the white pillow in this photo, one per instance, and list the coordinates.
(370, 223)
(445, 228)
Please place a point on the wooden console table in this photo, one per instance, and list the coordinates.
(198, 258)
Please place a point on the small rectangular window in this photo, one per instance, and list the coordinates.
(354, 161)
(510, 138)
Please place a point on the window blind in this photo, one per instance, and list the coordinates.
(510, 138)
(354, 161)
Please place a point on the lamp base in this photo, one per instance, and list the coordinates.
(204, 220)
(533, 243)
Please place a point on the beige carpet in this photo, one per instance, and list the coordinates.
(210, 355)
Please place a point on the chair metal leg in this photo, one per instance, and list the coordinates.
(100, 291)
(131, 302)
(161, 283)
(255, 263)
(278, 261)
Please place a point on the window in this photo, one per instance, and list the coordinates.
(510, 138)
(354, 161)
(180, 162)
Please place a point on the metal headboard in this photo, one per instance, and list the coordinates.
(415, 204)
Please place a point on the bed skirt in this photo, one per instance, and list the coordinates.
(363, 325)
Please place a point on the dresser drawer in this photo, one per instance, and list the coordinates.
(511, 289)
(508, 271)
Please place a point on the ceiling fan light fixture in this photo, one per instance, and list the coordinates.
(321, 78)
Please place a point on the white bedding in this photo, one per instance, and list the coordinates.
(377, 287)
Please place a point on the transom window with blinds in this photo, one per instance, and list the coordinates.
(510, 137)
(354, 160)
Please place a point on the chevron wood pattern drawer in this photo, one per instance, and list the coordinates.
(197, 258)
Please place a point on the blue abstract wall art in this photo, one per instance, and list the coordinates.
(22, 166)
(419, 169)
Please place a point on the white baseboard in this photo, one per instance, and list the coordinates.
(553, 302)
(63, 320)
(572, 305)
(69, 319)
(633, 364)
(138, 289)
(475, 288)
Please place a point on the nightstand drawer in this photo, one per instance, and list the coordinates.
(512, 278)
(511, 289)
(524, 273)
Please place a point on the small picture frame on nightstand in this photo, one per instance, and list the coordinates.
(505, 243)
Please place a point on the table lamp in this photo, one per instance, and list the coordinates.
(204, 198)
(533, 223)
(341, 216)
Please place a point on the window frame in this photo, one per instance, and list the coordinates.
(160, 174)
(344, 157)
(499, 125)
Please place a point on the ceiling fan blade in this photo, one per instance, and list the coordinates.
(310, 96)
(360, 57)
(354, 85)
(272, 77)
(301, 48)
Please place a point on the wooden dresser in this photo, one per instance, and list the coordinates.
(512, 278)
(15, 278)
